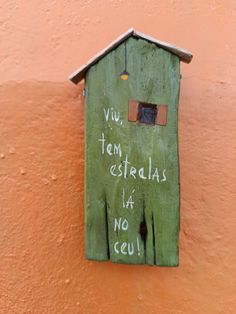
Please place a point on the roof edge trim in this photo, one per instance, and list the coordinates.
(183, 54)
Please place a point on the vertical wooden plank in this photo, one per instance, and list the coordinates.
(132, 169)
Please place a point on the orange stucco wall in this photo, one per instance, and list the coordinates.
(42, 265)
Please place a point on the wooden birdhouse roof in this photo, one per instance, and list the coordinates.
(183, 54)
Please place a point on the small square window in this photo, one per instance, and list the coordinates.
(147, 113)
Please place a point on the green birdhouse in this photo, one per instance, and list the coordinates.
(132, 189)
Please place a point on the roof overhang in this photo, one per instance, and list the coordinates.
(183, 54)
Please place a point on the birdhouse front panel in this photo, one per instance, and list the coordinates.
(131, 164)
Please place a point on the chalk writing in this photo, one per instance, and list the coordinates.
(110, 149)
(110, 114)
(129, 202)
(126, 248)
(121, 224)
(127, 170)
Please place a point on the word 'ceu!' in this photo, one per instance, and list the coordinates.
(126, 248)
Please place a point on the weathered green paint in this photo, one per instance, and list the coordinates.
(154, 78)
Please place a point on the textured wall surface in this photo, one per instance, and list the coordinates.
(42, 265)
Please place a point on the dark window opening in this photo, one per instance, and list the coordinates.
(147, 113)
